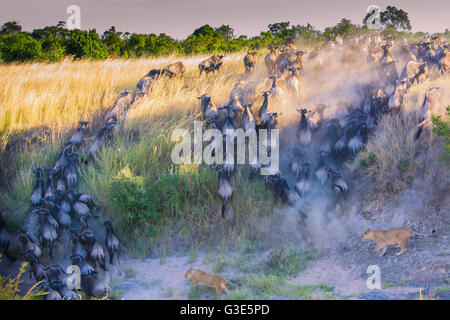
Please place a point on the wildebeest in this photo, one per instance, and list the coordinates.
(81, 262)
(47, 233)
(444, 62)
(98, 142)
(333, 130)
(95, 250)
(28, 245)
(250, 61)
(38, 191)
(62, 289)
(93, 287)
(174, 69)
(290, 60)
(413, 72)
(120, 108)
(297, 159)
(78, 248)
(36, 269)
(396, 100)
(144, 86)
(280, 189)
(112, 242)
(338, 185)
(78, 136)
(63, 217)
(51, 293)
(304, 131)
(249, 118)
(70, 171)
(264, 116)
(225, 189)
(293, 82)
(429, 106)
(154, 74)
(303, 186)
(209, 109)
(321, 171)
(271, 60)
(5, 238)
(211, 64)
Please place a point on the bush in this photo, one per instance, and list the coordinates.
(441, 127)
(86, 44)
(389, 156)
(9, 287)
(19, 47)
(287, 264)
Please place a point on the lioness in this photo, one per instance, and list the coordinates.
(385, 238)
(208, 279)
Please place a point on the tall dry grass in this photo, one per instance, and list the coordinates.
(392, 159)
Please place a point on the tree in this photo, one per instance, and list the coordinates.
(226, 31)
(278, 27)
(86, 44)
(113, 41)
(205, 40)
(395, 18)
(19, 47)
(345, 27)
(11, 27)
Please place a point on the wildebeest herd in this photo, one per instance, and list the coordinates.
(345, 132)
(60, 209)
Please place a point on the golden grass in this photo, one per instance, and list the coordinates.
(58, 95)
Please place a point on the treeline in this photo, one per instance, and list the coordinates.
(54, 43)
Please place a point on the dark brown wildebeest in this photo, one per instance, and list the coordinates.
(290, 60)
(209, 109)
(387, 56)
(430, 105)
(396, 100)
(414, 71)
(271, 60)
(144, 86)
(444, 63)
(154, 73)
(250, 61)
(120, 108)
(211, 64)
(174, 69)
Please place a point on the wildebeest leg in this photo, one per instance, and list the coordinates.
(6, 253)
(51, 249)
(111, 256)
(102, 264)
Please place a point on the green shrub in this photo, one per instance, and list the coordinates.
(286, 264)
(19, 47)
(9, 287)
(441, 127)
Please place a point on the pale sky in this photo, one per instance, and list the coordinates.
(179, 18)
